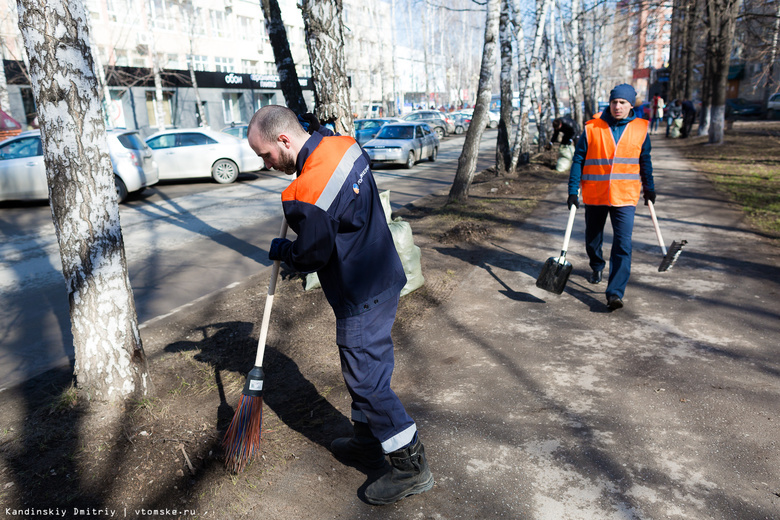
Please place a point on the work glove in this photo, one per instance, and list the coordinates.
(573, 199)
(649, 195)
(309, 122)
(275, 251)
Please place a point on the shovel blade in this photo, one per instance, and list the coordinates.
(554, 275)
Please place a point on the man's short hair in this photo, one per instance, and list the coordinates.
(273, 120)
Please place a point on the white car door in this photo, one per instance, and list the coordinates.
(166, 156)
(22, 172)
(196, 153)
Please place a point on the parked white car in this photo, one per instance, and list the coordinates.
(493, 116)
(23, 174)
(202, 152)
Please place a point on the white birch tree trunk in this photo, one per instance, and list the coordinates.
(526, 68)
(159, 112)
(325, 42)
(467, 162)
(5, 102)
(503, 148)
(110, 360)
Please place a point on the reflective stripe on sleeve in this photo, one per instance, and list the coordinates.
(341, 173)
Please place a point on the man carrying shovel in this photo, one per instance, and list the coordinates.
(334, 208)
(611, 164)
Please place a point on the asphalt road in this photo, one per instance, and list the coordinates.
(183, 242)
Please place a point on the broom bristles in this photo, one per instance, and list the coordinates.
(242, 438)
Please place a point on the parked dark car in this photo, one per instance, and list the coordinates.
(740, 107)
(438, 121)
(366, 129)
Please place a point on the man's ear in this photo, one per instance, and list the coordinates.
(284, 140)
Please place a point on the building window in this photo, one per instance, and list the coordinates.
(151, 108)
(162, 15)
(121, 58)
(172, 62)
(93, 8)
(246, 28)
(217, 23)
(249, 66)
(119, 10)
(270, 68)
(264, 100)
(231, 107)
(200, 62)
(306, 71)
(224, 65)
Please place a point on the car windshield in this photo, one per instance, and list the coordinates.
(396, 132)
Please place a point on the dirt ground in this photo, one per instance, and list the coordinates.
(161, 457)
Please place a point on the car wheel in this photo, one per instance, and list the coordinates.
(493, 124)
(458, 130)
(410, 161)
(224, 171)
(439, 131)
(121, 189)
(434, 154)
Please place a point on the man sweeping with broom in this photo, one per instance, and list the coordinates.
(334, 208)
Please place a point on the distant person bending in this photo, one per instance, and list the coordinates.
(342, 234)
(611, 164)
(566, 128)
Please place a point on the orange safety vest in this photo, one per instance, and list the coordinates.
(610, 173)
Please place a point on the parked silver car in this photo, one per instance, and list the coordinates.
(403, 143)
(23, 174)
(202, 152)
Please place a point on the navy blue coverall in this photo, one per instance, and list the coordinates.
(334, 208)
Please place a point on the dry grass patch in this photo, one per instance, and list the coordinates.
(746, 167)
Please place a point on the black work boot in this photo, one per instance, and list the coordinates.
(409, 475)
(362, 448)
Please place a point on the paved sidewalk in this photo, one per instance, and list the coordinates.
(538, 406)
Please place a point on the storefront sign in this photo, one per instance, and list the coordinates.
(233, 79)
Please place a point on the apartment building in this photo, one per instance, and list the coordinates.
(234, 64)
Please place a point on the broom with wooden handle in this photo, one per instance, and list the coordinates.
(670, 256)
(242, 438)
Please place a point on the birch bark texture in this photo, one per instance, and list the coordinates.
(467, 162)
(110, 360)
(721, 21)
(325, 42)
(285, 65)
(503, 148)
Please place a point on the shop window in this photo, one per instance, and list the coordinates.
(151, 108)
(231, 107)
(265, 99)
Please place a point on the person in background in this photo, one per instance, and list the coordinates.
(334, 208)
(673, 111)
(689, 117)
(566, 128)
(611, 165)
(657, 112)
